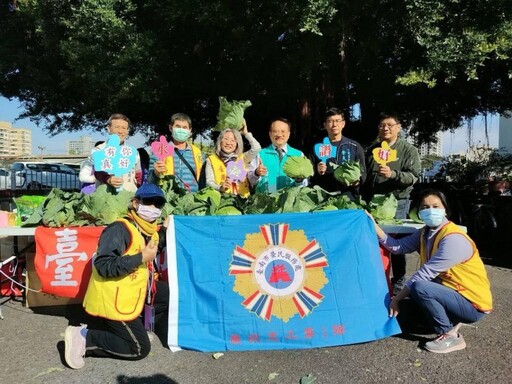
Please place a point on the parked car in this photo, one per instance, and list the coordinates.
(6, 180)
(37, 176)
(74, 166)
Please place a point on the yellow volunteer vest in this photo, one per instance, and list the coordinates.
(468, 278)
(219, 174)
(120, 298)
(198, 162)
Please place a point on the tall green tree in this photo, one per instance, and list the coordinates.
(436, 62)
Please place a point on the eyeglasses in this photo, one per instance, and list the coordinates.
(335, 121)
(384, 126)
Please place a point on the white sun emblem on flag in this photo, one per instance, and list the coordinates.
(279, 272)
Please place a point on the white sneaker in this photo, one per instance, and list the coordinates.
(74, 350)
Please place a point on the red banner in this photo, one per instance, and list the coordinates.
(63, 257)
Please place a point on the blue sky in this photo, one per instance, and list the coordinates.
(458, 140)
(55, 145)
(10, 109)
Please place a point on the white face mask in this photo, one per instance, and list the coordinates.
(148, 213)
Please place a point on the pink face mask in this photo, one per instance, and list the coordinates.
(148, 213)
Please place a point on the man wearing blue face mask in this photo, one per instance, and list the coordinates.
(187, 160)
(451, 287)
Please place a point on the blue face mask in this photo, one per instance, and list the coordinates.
(180, 134)
(433, 217)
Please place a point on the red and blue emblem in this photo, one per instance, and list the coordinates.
(279, 272)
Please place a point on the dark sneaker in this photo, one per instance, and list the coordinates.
(74, 350)
(446, 343)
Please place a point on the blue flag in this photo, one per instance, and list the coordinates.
(277, 281)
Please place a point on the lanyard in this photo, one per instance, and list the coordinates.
(151, 284)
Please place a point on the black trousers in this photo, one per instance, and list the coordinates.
(398, 261)
(128, 339)
(397, 266)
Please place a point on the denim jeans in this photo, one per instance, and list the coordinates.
(443, 306)
(402, 209)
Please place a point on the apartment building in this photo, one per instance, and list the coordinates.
(15, 142)
(433, 148)
(82, 146)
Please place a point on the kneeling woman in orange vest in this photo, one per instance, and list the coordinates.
(226, 170)
(451, 286)
(118, 288)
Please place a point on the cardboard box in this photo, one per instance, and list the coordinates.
(6, 247)
(40, 299)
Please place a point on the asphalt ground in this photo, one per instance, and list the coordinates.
(31, 351)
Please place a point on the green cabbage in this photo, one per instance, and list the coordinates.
(298, 167)
(413, 215)
(383, 208)
(209, 193)
(228, 210)
(231, 114)
(348, 173)
(327, 207)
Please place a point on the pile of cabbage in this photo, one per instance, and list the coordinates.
(105, 205)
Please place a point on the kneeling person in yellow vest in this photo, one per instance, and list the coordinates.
(451, 286)
(117, 291)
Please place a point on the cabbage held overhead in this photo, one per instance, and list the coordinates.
(298, 167)
(231, 114)
(347, 173)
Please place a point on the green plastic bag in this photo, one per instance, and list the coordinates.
(231, 114)
(26, 205)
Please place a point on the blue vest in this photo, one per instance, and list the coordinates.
(275, 178)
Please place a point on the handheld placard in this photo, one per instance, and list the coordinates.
(161, 148)
(325, 150)
(115, 159)
(164, 151)
(384, 154)
(236, 171)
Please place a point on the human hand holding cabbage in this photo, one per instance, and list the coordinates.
(244, 130)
